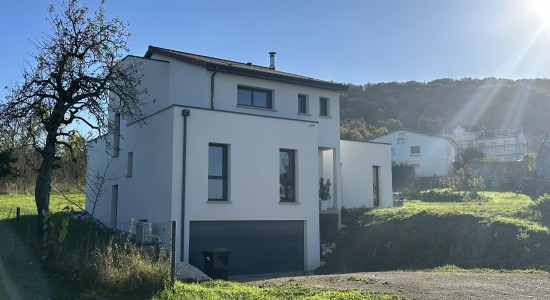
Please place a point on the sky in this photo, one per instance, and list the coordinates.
(344, 41)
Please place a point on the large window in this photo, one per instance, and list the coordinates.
(254, 97)
(302, 104)
(324, 107)
(287, 175)
(217, 172)
(415, 150)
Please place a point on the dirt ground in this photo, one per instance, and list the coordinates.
(427, 285)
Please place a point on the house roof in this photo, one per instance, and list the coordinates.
(244, 69)
(415, 131)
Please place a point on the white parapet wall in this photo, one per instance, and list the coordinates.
(360, 162)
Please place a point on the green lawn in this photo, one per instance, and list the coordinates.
(9, 202)
(504, 207)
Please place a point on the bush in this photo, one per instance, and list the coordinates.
(125, 268)
(542, 208)
(328, 225)
(437, 196)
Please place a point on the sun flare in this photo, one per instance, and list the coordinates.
(541, 9)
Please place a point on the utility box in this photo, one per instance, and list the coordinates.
(216, 263)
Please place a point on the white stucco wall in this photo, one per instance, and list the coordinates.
(254, 137)
(254, 144)
(358, 160)
(436, 153)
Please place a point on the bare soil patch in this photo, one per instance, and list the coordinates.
(427, 285)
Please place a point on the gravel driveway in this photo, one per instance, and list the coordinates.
(429, 285)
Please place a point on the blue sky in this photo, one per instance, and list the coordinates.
(343, 41)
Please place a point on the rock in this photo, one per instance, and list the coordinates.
(185, 271)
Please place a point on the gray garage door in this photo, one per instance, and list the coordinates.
(257, 246)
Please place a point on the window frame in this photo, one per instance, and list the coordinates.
(130, 166)
(292, 157)
(116, 136)
(323, 113)
(225, 172)
(400, 140)
(303, 102)
(252, 90)
(415, 153)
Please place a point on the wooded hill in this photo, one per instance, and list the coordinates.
(443, 104)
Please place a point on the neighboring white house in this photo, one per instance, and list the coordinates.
(366, 174)
(430, 155)
(506, 144)
(233, 152)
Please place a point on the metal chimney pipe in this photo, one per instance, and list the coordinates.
(272, 60)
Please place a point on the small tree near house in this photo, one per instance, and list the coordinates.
(75, 69)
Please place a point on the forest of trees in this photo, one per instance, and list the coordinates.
(442, 104)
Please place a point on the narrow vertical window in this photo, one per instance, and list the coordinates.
(130, 164)
(116, 140)
(375, 186)
(324, 107)
(287, 175)
(114, 205)
(217, 172)
(302, 104)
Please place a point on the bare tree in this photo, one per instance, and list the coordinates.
(75, 69)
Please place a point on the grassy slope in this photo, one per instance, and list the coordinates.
(499, 233)
(37, 285)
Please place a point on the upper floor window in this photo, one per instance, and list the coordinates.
(494, 146)
(254, 97)
(116, 141)
(217, 172)
(401, 140)
(324, 107)
(303, 104)
(506, 146)
(415, 150)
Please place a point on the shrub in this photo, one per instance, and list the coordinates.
(328, 225)
(126, 268)
(542, 208)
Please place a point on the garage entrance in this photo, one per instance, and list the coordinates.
(257, 246)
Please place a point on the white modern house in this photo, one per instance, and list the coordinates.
(430, 155)
(366, 174)
(506, 144)
(232, 152)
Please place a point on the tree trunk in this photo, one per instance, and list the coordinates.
(43, 187)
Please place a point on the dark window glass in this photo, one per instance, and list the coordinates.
(323, 107)
(254, 97)
(217, 172)
(244, 97)
(302, 104)
(287, 175)
(415, 150)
